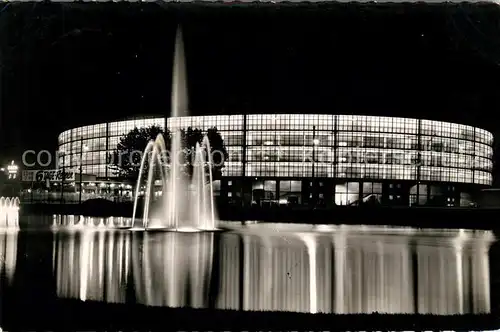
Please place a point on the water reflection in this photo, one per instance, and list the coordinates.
(348, 270)
(172, 269)
(92, 265)
(8, 253)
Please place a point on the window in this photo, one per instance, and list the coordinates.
(347, 193)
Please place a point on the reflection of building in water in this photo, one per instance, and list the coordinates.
(8, 253)
(274, 274)
(352, 273)
(454, 279)
(372, 274)
(173, 269)
(92, 265)
(342, 271)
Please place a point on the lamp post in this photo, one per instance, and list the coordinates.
(12, 175)
(12, 170)
(82, 147)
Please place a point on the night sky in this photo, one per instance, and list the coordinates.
(65, 65)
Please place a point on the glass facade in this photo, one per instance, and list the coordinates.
(351, 147)
(93, 143)
(315, 146)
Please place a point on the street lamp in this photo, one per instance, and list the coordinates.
(12, 170)
(82, 148)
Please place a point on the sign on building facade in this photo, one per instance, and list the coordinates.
(53, 175)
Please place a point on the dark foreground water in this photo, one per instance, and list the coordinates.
(264, 267)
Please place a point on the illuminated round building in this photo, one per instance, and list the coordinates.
(322, 160)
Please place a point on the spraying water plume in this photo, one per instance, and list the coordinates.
(187, 204)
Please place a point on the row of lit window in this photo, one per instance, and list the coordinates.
(221, 122)
(98, 130)
(354, 188)
(343, 157)
(435, 128)
(299, 154)
(321, 152)
(232, 169)
(294, 186)
(427, 174)
(389, 172)
(97, 170)
(308, 155)
(288, 121)
(348, 140)
(112, 129)
(377, 124)
(365, 123)
(400, 141)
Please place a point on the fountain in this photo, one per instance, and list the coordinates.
(187, 204)
(9, 212)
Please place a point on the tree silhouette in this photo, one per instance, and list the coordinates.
(125, 160)
(219, 153)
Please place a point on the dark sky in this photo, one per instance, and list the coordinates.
(65, 65)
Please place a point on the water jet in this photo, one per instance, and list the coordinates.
(187, 202)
